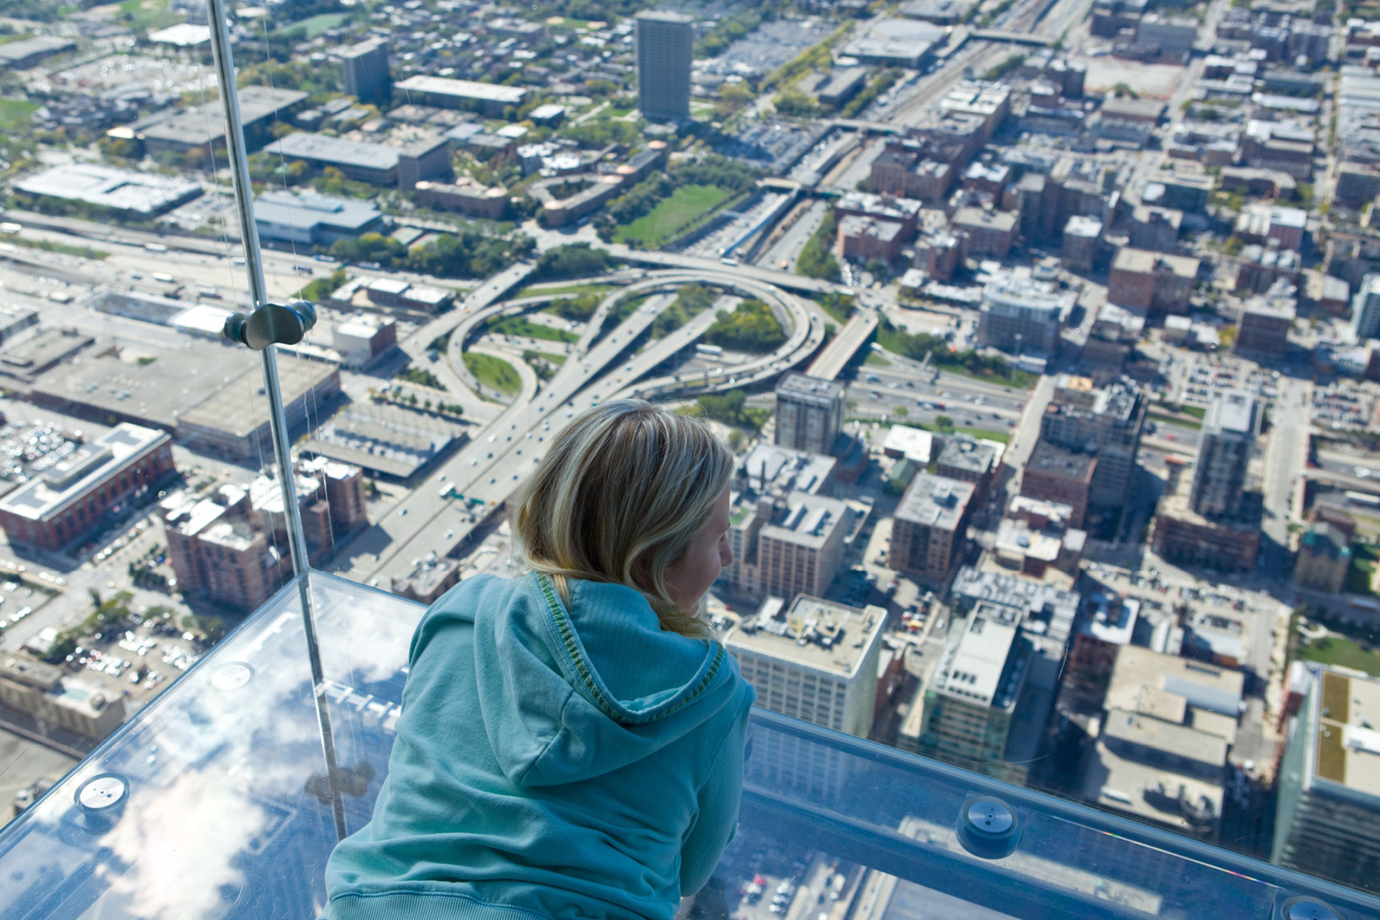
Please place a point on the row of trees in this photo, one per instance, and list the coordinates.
(574, 260)
(916, 345)
(731, 408)
(816, 259)
(465, 253)
(691, 300)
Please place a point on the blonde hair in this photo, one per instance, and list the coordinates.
(618, 497)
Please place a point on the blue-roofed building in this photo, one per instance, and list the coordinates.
(309, 218)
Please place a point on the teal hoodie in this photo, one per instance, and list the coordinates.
(551, 761)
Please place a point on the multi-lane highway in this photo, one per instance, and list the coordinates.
(488, 469)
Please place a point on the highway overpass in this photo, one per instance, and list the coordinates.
(841, 349)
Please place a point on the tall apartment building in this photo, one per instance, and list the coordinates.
(816, 661)
(1328, 811)
(664, 45)
(973, 694)
(929, 532)
(365, 68)
(809, 413)
(74, 496)
(1366, 309)
(800, 548)
(1020, 315)
(1224, 452)
(1104, 421)
(813, 660)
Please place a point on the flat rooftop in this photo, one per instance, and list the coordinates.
(1232, 412)
(800, 385)
(205, 124)
(965, 453)
(815, 633)
(1055, 460)
(1346, 749)
(1143, 261)
(46, 495)
(107, 187)
(809, 520)
(1201, 685)
(772, 468)
(309, 209)
(972, 668)
(1149, 792)
(935, 501)
(175, 385)
(463, 89)
(303, 145)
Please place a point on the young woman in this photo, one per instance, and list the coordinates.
(571, 743)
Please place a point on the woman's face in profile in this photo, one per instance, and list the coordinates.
(690, 577)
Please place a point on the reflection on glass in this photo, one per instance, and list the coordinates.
(453, 198)
(212, 803)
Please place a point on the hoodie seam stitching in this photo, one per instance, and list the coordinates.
(565, 629)
(566, 632)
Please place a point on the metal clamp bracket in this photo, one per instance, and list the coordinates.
(271, 324)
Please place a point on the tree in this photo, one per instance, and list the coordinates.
(752, 327)
(736, 440)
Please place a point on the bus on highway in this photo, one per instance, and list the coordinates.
(1364, 499)
(709, 349)
(155, 247)
(10, 227)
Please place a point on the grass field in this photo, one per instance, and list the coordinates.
(985, 433)
(1342, 651)
(1360, 578)
(877, 360)
(148, 14)
(685, 205)
(313, 25)
(554, 358)
(569, 290)
(494, 373)
(521, 325)
(15, 113)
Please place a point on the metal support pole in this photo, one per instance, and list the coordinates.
(253, 259)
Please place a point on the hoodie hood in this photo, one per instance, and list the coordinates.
(572, 692)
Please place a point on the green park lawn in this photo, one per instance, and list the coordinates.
(314, 25)
(148, 14)
(1340, 650)
(521, 325)
(685, 205)
(15, 113)
(985, 433)
(568, 290)
(1360, 578)
(494, 373)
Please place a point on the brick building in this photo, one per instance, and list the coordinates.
(1151, 282)
(929, 534)
(1055, 474)
(73, 497)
